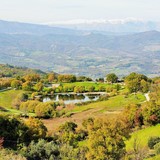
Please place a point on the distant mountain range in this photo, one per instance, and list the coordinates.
(79, 52)
(35, 29)
(127, 25)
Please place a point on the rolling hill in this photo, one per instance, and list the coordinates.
(79, 52)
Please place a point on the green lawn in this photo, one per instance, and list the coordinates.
(87, 84)
(6, 97)
(115, 103)
(143, 136)
(11, 111)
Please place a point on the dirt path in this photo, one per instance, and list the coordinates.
(147, 96)
(53, 124)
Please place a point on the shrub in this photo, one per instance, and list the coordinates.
(91, 88)
(157, 148)
(153, 141)
(36, 129)
(103, 97)
(42, 150)
(27, 86)
(16, 84)
(10, 155)
(29, 106)
(101, 89)
(79, 89)
(44, 110)
(109, 89)
(34, 94)
(13, 130)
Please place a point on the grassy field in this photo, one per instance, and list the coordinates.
(116, 103)
(88, 84)
(143, 136)
(11, 111)
(108, 108)
(6, 97)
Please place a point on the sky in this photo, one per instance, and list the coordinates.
(47, 11)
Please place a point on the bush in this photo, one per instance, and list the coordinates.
(34, 94)
(109, 89)
(13, 131)
(101, 89)
(29, 106)
(10, 155)
(153, 141)
(42, 150)
(157, 148)
(27, 86)
(103, 97)
(91, 88)
(36, 129)
(44, 110)
(16, 84)
(79, 89)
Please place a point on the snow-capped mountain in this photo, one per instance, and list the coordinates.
(113, 25)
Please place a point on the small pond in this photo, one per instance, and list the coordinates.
(72, 98)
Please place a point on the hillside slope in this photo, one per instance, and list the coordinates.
(89, 54)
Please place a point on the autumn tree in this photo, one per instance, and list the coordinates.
(12, 130)
(83, 79)
(91, 88)
(106, 140)
(5, 82)
(51, 77)
(112, 78)
(16, 84)
(32, 77)
(79, 89)
(19, 99)
(45, 110)
(27, 86)
(67, 134)
(36, 130)
(66, 78)
(132, 115)
(151, 112)
(144, 86)
(137, 82)
(29, 106)
(39, 86)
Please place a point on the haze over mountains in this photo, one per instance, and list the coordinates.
(128, 25)
(89, 51)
